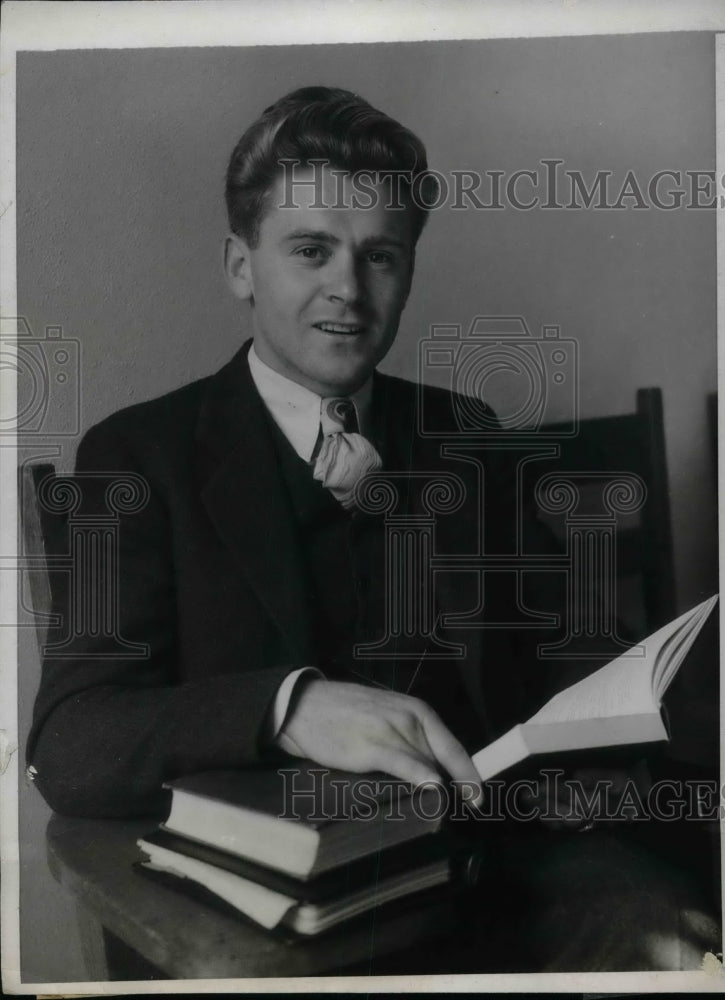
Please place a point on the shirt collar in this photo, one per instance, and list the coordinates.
(295, 409)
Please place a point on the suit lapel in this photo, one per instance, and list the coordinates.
(244, 494)
(393, 422)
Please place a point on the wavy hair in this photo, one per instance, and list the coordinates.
(329, 124)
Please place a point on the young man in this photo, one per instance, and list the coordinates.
(249, 580)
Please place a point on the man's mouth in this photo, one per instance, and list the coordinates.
(340, 328)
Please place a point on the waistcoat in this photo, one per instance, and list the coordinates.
(344, 557)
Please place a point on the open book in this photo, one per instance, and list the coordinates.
(618, 704)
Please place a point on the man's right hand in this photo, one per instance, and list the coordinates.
(359, 728)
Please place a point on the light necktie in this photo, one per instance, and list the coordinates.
(344, 455)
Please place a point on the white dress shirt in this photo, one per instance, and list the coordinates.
(296, 411)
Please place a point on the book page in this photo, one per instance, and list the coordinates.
(675, 649)
(622, 687)
(631, 684)
(256, 901)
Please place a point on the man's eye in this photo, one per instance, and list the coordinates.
(310, 253)
(380, 257)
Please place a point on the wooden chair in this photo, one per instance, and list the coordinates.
(603, 450)
(42, 534)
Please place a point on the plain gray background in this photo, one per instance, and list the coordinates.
(121, 158)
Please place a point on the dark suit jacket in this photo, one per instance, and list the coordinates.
(211, 580)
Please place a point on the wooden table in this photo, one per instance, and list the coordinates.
(592, 902)
(136, 927)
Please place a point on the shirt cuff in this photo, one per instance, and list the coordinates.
(281, 705)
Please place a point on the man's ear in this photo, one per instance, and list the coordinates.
(237, 266)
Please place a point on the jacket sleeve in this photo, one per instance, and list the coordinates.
(108, 727)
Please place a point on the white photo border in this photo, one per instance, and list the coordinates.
(45, 25)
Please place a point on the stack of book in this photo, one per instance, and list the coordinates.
(303, 849)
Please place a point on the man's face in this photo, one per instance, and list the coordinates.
(327, 285)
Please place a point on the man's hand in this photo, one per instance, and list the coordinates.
(360, 728)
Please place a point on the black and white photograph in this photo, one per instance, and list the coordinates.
(360, 559)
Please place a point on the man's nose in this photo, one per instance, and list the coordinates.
(344, 280)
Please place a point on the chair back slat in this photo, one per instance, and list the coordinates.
(631, 443)
(34, 533)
